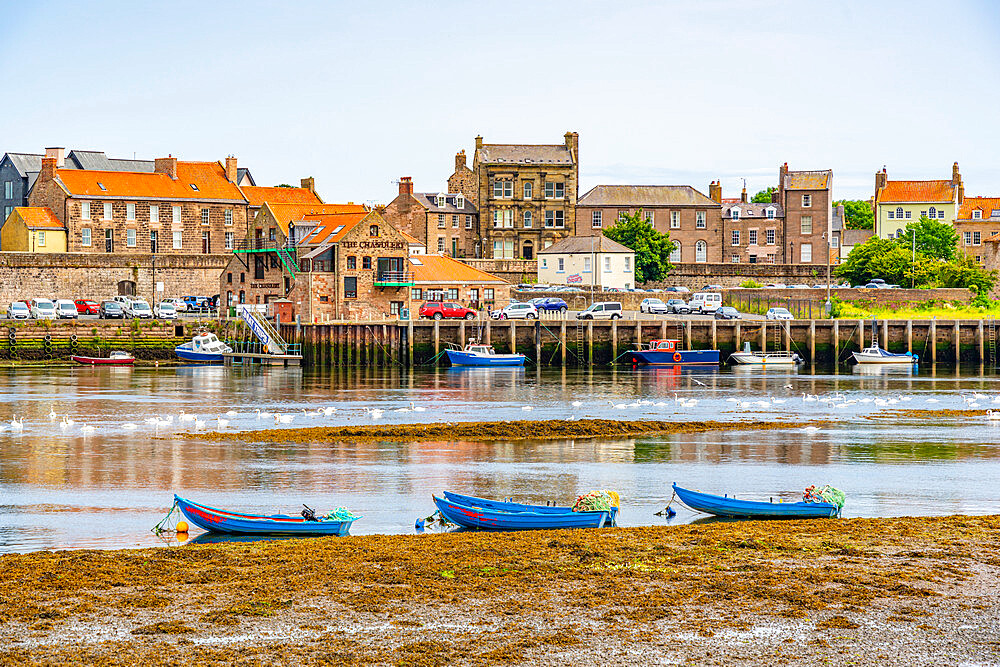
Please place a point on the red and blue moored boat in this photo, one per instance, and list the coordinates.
(235, 523)
(491, 518)
(665, 353)
(509, 506)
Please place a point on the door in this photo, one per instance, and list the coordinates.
(387, 265)
(527, 251)
(206, 242)
(153, 238)
(109, 240)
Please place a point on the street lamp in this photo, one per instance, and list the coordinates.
(828, 306)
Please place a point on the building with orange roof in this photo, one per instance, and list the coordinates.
(33, 229)
(441, 278)
(444, 222)
(180, 207)
(898, 203)
(257, 195)
(978, 219)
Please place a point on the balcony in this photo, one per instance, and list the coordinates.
(393, 279)
(256, 245)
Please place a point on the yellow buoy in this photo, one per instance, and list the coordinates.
(182, 527)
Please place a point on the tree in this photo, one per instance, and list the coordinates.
(764, 196)
(858, 214)
(857, 267)
(282, 185)
(652, 249)
(933, 238)
(963, 272)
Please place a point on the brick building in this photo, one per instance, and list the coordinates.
(978, 219)
(445, 222)
(178, 208)
(897, 203)
(33, 229)
(526, 194)
(441, 278)
(807, 200)
(692, 219)
(751, 232)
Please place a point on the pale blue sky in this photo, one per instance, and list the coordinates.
(358, 94)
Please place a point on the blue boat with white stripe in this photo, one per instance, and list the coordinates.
(477, 354)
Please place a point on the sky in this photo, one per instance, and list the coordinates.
(357, 94)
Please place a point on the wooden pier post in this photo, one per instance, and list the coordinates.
(437, 341)
(812, 341)
(489, 322)
(715, 334)
(909, 336)
(513, 337)
(689, 343)
(614, 339)
(562, 341)
(738, 335)
(958, 341)
(638, 336)
(979, 343)
(861, 334)
(933, 337)
(788, 335)
(590, 342)
(663, 329)
(763, 336)
(836, 341)
(538, 343)
(461, 333)
(885, 334)
(409, 341)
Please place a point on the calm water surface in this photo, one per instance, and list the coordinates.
(66, 487)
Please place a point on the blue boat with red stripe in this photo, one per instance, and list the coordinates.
(666, 353)
(510, 506)
(217, 520)
(469, 515)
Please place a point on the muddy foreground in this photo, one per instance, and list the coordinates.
(855, 591)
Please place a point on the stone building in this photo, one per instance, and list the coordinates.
(525, 194)
(32, 229)
(751, 233)
(807, 200)
(587, 261)
(257, 195)
(978, 219)
(441, 278)
(178, 208)
(897, 203)
(692, 219)
(445, 222)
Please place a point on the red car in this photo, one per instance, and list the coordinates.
(439, 310)
(87, 307)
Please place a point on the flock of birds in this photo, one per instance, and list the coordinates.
(834, 401)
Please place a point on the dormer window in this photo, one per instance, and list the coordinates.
(441, 201)
(459, 201)
(734, 213)
(770, 212)
(995, 213)
(977, 215)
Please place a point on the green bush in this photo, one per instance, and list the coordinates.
(749, 283)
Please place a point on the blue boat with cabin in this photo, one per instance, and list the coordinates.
(492, 518)
(203, 348)
(478, 354)
(667, 353)
(217, 520)
(752, 509)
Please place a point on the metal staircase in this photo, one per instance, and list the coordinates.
(288, 259)
(264, 331)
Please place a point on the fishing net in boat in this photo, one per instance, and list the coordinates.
(596, 501)
(340, 514)
(825, 494)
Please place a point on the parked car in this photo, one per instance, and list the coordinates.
(572, 288)
(776, 285)
(18, 310)
(111, 309)
(179, 305)
(43, 309)
(445, 310)
(708, 287)
(778, 314)
(123, 301)
(602, 310)
(165, 309)
(87, 307)
(679, 289)
(678, 307)
(550, 303)
(652, 305)
(139, 309)
(197, 302)
(727, 313)
(875, 285)
(705, 302)
(799, 286)
(523, 310)
(65, 309)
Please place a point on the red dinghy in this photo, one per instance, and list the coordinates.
(117, 358)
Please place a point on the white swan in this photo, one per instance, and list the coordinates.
(128, 426)
(262, 415)
(417, 408)
(16, 424)
(577, 404)
(65, 423)
(932, 400)
(811, 429)
(87, 428)
(526, 408)
(185, 417)
(330, 410)
(401, 410)
(52, 414)
(232, 413)
(377, 413)
(283, 419)
(809, 398)
(153, 420)
(993, 415)
(199, 424)
(223, 423)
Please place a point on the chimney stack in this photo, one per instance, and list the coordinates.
(743, 195)
(59, 154)
(309, 183)
(479, 141)
(166, 165)
(715, 191)
(881, 178)
(406, 185)
(48, 171)
(956, 177)
(460, 162)
(573, 145)
(231, 173)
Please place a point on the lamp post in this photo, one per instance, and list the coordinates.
(153, 301)
(828, 306)
(913, 257)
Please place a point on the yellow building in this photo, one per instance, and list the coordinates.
(898, 203)
(33, 229)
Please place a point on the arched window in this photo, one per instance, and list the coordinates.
(899, 212)
(373, 230)
(932, 213)
(701, 251)
(675, 254)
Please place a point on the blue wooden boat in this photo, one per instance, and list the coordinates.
(236, 523)
(470, 516)
(665, 353)
(477, 354)
(508, 506)
(750, 509)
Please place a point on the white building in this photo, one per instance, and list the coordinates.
(587, 261)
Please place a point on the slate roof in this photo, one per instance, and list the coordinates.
(39, 217)
(916, 192)
(99, 161)
(429, 199)
(243, 172)
(524, 154)
(572, 245)
(750, 209)
(990, 207)
(26, 162)
(209, 178)
(635, 196)
(808, 180)
(853, 237)
(438, 269)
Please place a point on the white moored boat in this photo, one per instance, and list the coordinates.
(749, 358)
(876, 355)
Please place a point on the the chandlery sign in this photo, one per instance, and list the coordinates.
(392, 245)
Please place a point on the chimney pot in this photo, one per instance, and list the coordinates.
(479, 141)
(406, 185)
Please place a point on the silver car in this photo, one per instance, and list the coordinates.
(43, 309)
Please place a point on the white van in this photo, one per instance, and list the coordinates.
(602, 310)
(705, 302)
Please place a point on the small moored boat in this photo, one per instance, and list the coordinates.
(509, 506)
(477, 354)
(235, 523)
(492, 518)
(777, 358)
(666, 353)
(205, 348)
(751, 509)
(116, 358)
(876, 355)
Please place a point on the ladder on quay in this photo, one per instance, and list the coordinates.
(579, 342)
(992, 338)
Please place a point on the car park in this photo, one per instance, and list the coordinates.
(602, 310)
(139, 309)
(652, 305)
(111, 309)
(778, 314)
(18, 310)
(678, 307)
(43, 309)
(523, 310)
(727, 313)
(705, 302)
(65, 309)
(445, 310)
(87, 307)
(165, 309)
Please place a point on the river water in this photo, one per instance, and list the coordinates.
(100, 483)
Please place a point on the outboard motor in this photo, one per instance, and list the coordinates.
(309, 514)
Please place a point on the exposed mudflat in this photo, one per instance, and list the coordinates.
(907, 591)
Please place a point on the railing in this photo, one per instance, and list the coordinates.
(393, 279)
(257, 245)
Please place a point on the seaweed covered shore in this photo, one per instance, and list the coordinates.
(515, 430)
(853, 591)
